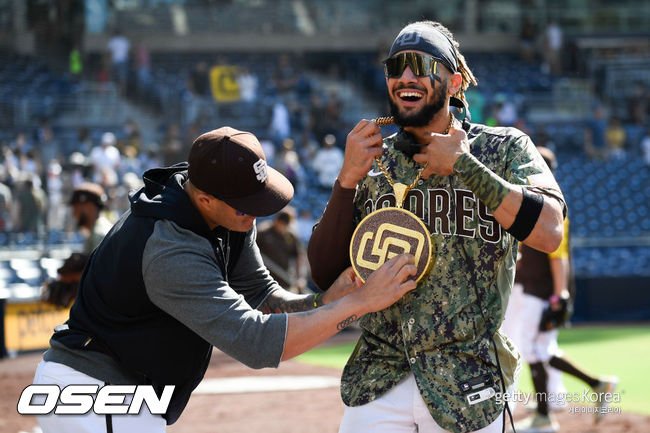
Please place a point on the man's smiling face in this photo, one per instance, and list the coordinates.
(413, 100)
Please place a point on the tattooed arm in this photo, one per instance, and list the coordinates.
(386, 285)
(282, 301)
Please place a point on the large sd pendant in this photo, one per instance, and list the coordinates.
(388, 232)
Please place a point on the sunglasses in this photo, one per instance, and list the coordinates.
(422, 65)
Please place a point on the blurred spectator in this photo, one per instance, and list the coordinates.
(87, 201)
(6, 203)
(105, 157)
(332, 122)
(20, 144)
(30, 206)
(491, 118)
(615, 139)
(316, 115)
(199, 79)
(79, 168)
(172, 146)
(130, 182)
(10, 164)
(150, 157)
(638, 105)
(29, 163)
(521, 125)
(131, 137)
(308, 146)
(130, 163)
(192, 131)
(75, 64)
(285, 77)
(143, 70)
(282, 251)
(119, 47)
(553, 40)
(506, 111)
(305, 224)
(84, 142)
(49, 147)
(527, 41)
(328, 162)
(54, 186)
(247, 83)
(287, 162)
(269, 150)
(542, 139)
(645, 147)
(198, 96)
(280, 127)
(594, 138)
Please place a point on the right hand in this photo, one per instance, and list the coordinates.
(362, 145)
(389, 283)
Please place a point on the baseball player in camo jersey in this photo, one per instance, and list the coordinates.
(429, 363)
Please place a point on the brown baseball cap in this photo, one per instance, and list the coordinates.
(89, 192)
(230, 165)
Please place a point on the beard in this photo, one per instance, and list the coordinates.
(426, 113)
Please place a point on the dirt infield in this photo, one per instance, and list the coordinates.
(304, 411)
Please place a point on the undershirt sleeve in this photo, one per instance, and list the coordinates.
(328, 249)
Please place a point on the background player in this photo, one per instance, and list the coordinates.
(545, 280)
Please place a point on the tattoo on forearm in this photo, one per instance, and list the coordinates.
(286, 302)
(347, 322)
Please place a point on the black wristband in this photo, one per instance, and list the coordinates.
(531, 207)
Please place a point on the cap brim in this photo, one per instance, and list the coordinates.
(277, 193)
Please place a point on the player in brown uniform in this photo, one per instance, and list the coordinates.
(545, 280)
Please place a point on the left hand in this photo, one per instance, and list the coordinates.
(442, 151)
(345, 284)
(556, 301)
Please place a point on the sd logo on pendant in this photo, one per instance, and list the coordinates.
(386, 233)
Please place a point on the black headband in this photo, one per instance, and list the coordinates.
(423, 37)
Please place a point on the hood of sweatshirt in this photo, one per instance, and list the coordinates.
(163, 197)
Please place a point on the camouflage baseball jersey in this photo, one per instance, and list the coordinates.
(441, 330)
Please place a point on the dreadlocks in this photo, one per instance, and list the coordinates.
(464, 70)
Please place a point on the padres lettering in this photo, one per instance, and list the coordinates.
(380, 250)
(456, 212)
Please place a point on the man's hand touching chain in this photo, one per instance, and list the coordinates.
(442, 151)
(362, 145)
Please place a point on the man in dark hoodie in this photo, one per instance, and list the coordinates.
(180, 272)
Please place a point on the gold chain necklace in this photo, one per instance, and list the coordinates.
(400, 189)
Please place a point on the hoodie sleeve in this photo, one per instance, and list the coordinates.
(182, 278)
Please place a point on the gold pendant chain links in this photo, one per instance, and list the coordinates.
(387, 121)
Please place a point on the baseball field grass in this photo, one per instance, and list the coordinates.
(620, 350)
